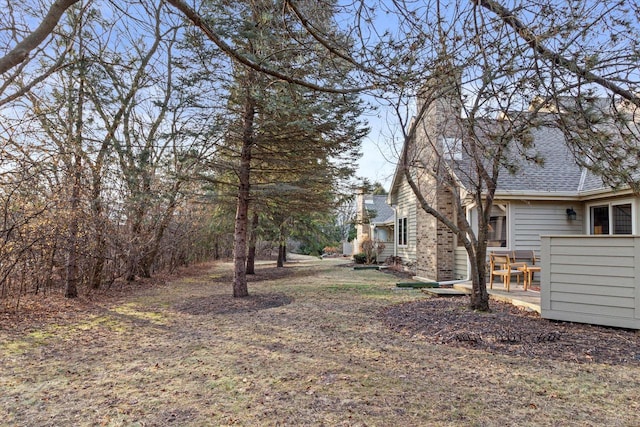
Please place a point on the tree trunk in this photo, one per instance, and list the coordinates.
(95, 281)
(133, 256)
(282, 248)
(98, 265)
(241, 220)
(71, 283)
(253, 237)
(477, 253)
(479, 294)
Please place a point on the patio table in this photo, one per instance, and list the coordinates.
(528, 271)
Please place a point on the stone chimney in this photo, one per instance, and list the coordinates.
(438, 133)
(362, 225)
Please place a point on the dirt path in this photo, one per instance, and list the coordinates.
(311, 346)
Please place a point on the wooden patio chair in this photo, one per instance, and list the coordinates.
(523, 256)
(500, 265)
(524, 260)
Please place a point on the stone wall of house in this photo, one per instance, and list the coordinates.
(435, 257)
(426, 245)
(363, 229)
(445, 240)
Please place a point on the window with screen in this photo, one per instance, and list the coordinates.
(612, 218)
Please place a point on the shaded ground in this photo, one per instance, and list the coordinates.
(449, 321)
(228, 304)
(514, 331)
(314, 344)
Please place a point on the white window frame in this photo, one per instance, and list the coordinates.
(403, 230)
(472, 217)
(507, 225)
(610, 204)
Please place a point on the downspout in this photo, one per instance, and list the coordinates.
(455, 282)
(395, 232)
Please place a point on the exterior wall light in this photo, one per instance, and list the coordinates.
(571, 214)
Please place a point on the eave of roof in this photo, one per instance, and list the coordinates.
(562, 195)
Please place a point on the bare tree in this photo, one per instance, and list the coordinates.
(495, 59)
(484, 77)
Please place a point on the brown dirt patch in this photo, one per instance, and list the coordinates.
(513, 331)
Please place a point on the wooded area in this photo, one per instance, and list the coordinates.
(134, 131)
(130, 144)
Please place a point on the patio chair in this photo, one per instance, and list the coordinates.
(500, 265)
(525, 261)
(523, 256)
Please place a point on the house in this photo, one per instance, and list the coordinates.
(550, 197)
(375, 221)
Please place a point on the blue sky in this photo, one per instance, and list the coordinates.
(379, 158)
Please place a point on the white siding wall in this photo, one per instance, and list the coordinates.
(405, 204)
(591, 279)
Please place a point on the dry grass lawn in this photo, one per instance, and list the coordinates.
(309, 347)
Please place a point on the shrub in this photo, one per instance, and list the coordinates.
(360, 258)
(330, 250)
(371, 249)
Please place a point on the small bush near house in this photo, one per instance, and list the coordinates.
(393, 260)
(372, 248)
(330, 250)
(360, 258)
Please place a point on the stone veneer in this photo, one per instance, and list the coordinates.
(435, 255)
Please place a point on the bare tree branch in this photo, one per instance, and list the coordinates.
(534, 43)
(22, 49)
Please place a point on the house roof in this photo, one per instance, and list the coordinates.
(558, 173)
(378, 204)
(557, 176)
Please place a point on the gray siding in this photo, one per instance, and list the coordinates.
(460, 263)
(405, 204)
(386, 253)
(529, 221)
(591, 279)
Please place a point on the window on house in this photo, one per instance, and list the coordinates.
(381, 234)
(612, 218)
(622, 223)
(497, 232)
(600, 220)
(452, 148)
(402, 232)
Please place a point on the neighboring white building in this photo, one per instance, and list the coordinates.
(375, 221)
